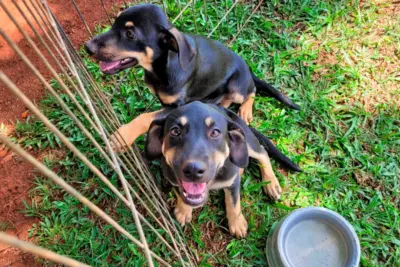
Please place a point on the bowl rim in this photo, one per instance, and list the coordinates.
(348, 234)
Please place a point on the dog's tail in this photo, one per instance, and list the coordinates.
(274, 153)
(273, 92)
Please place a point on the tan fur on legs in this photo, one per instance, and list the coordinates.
(241, 171)
(228, 99)
(126, 135)
(273, 189)
(237, 222)
(183, 212)
(246, 109)
(226, 102)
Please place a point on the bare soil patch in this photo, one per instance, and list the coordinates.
(370, 54)
(16, 175)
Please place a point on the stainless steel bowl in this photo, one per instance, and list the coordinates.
(313, 237)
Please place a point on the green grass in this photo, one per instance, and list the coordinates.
(339, 61)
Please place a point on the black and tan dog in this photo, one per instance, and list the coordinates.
(205, 147)
(179, 68)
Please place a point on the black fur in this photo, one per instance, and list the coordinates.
(195, 144)
(183, 67)
(272, 92)
(274, 152)
(191, 66)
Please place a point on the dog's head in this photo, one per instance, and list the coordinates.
(196, 140)
(139, 35)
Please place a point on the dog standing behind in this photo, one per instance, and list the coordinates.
(179, 68)
(206, 147)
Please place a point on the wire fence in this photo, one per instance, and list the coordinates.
(92, 112)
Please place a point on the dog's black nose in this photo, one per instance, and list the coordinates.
(91, 47)
(194, 169)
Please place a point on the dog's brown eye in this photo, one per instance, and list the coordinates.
(215, 133)
(175, 131)
(130, 34)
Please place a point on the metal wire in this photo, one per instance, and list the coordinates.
(183, 10)
(245, 23)
(56, 179)
(88, 99)
(47, 254)
(223, 18)
(82, 19)
(113, 156)
(114, 161)
(146, 180)
(105, 11)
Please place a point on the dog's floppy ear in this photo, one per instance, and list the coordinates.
(177, 42)
(154, 140)
(238, 153)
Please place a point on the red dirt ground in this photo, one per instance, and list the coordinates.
(15, 175)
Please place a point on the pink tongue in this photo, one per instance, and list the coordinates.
(194, 189)
(105, 66)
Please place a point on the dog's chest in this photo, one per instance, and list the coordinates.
(226, 178)
(223, 184)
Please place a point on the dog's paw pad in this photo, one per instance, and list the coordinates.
(238, 227)
(183, 214)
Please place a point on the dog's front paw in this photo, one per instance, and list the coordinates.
(273, 190)
(246, 113)
(121, 139)
(238, 226)
(183, 214)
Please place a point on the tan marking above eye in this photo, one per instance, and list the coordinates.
(129, 24)
(183, 120)
(208, 121)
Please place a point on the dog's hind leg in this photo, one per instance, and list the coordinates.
(237, 222)
(273, 188)
(126, 135)
(241, 90)
(274, 152)
(256, 138)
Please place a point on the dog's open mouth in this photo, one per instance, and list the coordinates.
(113, 67)
(194, 193)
